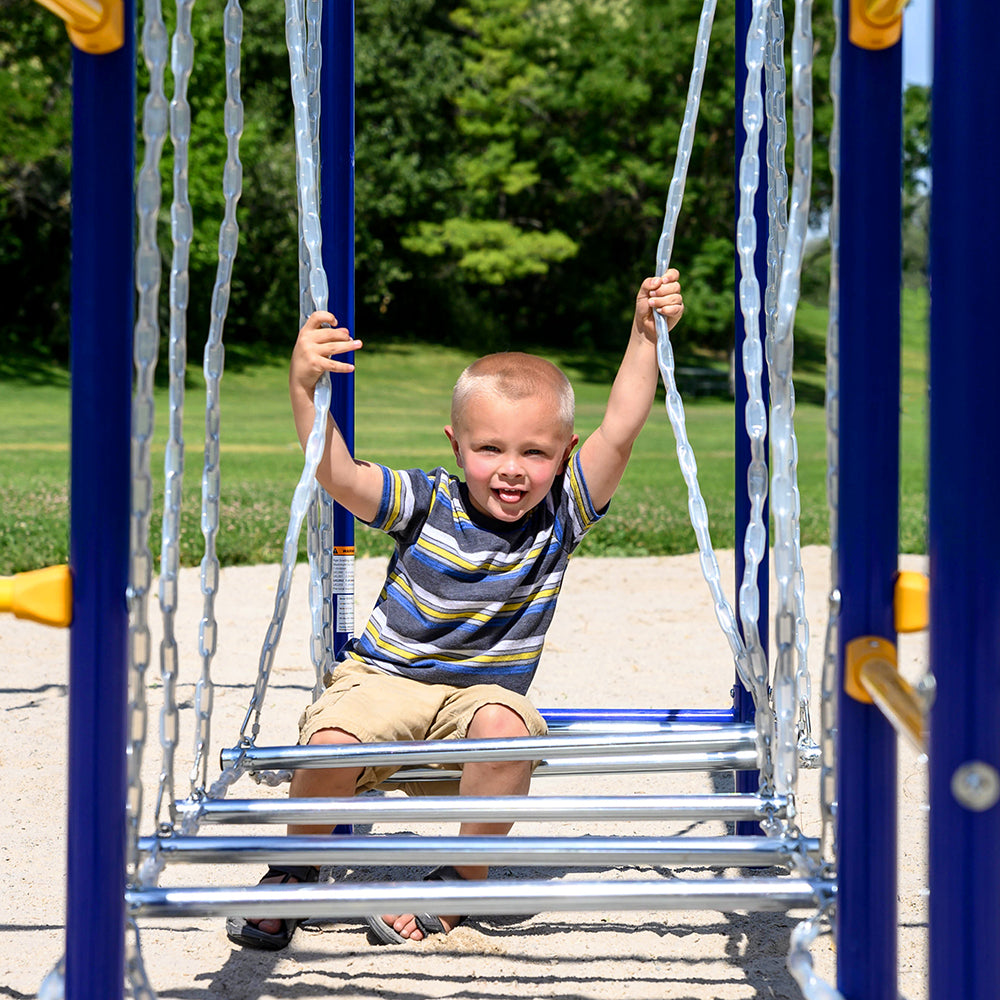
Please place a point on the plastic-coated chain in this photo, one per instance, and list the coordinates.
(305, 148)
(791, 630)
(145, 350)
(212, 365)
(182, 229)
(828, 719)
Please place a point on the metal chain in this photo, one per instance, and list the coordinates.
(320, 549)
(213, 364)
(135, 968)
(302, 497)
(791, 631)
(828, 703)
(320, 533)
(755, 538)
(146, 350)
(777, 175)
(674, 405)
(800, 963)
(155, 119)
(173, 464)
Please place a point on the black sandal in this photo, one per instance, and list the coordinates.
(240, 931)
(427, 923)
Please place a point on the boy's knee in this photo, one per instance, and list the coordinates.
(332, 737)
(496, 721)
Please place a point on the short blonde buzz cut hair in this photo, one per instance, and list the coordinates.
(514, 375)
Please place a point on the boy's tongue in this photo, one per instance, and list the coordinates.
(509, 496)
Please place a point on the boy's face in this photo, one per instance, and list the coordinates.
(510, 452)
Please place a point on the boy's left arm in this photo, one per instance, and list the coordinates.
(605, 454)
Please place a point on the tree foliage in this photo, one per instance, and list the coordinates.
(513, 159)
(34, 180)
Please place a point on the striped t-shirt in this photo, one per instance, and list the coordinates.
(467, 600)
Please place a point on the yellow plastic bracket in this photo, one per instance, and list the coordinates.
(876, 24)
(40, 595)
(94, 26)
(857, 653)
(871, 676)
(911, 601)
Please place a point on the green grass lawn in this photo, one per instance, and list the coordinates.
(402, 401)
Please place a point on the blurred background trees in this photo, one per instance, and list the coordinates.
(513, 159)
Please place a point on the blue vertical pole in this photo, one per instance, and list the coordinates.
(101, 373)
(743, 707)
(964, 501)
(870, 278)
(337, 218)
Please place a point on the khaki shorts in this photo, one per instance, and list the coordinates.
(375, 707)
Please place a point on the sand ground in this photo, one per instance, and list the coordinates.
(628, 632)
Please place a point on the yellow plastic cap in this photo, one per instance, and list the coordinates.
(857, 653)
(94, 26)
(876, 24)
(40, 595)
(911, 601)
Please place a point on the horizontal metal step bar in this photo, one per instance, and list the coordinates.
(358, 899)
(729, 760)
(457, 751)
(651, 718)
(569, 722)
(728, 807)
(351, 851)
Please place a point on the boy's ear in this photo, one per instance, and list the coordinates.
(450, 434)
(574, 441)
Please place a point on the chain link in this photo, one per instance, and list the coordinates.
(828, 719)
(318, 293)
(756, 422)
(800, 963)
(173, 465)
(791, 630)
(320, 549)
(213, 364)
(146, 349)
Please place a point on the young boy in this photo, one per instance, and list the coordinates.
(457, 631)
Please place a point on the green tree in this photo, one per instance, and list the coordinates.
(34, 180)
(916, 182)
(568, 127)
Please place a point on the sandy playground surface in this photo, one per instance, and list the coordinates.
(628, 632)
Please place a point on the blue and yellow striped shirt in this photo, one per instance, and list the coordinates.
(467, 600)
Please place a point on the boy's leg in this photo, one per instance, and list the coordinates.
(502, 777)
(513, 777)
(333, 782)
(325, 782)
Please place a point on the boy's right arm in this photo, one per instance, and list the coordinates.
(354, 484)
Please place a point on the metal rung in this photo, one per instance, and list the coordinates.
(569, 722)
(361, 899)
(548, 748)
(732, 760)
(350, 851)
(725, 807)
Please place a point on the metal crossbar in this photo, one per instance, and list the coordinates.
(514, 897)
(723, 852)
(727, 807)
(726, 739)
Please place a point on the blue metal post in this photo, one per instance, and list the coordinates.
(870, 251)
(747, 781)
(337, 217)
(101, 321)
(964, 496)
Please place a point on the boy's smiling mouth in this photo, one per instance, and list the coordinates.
(508, 494)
